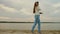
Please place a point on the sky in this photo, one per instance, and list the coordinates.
(22, 10)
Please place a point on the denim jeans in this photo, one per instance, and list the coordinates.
(37, 21)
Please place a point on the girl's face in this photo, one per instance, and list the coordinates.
(37, 4)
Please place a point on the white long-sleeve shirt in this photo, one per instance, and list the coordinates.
(37, 9)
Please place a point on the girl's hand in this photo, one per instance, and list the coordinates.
(41, 13)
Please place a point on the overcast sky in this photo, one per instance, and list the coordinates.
(22, 10)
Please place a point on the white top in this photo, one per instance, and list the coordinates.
(37, 9)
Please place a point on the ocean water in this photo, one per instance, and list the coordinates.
(28, 26)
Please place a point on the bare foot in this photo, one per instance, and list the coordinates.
(39, 33)
(33, 33)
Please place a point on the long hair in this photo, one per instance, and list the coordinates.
(35, 5)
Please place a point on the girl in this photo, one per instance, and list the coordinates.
(37, 16)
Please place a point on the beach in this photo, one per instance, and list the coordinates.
(29, 32)
(25, 28)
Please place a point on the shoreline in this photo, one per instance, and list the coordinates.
(29, 31)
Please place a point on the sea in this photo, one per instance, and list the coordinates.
(28, 26)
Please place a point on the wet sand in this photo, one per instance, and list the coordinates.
(29, 32)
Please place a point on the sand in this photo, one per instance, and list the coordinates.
(29, 32)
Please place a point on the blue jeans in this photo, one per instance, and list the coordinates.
(37, 21)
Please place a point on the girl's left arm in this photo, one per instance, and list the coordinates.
(40, 10)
